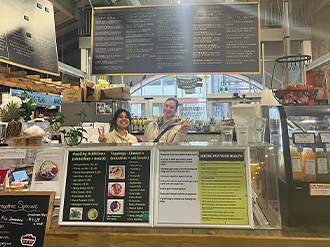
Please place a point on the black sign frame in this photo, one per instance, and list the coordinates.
(173, 41)
(66, 195)
(32, 217)
(29, 41)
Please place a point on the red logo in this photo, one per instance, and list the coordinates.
(28, 240)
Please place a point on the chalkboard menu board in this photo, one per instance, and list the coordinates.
(25, 217)
(212, 38)
(27, 35)
(107, 187)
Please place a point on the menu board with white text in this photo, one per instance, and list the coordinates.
(107, 187)
(208, 38)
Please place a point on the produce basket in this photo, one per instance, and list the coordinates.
(291, 94)
(294, 96)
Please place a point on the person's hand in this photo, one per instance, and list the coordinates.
(185, 125)
(102, 138)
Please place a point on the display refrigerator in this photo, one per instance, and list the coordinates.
(301, 138)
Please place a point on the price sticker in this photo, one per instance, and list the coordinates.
(303, 138)
(320, 189)
(325, 137)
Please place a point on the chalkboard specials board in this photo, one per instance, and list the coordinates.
(25, 217)
(27, 35)
(208, 38)
(107, 187)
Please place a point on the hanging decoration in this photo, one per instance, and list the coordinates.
(189, 84)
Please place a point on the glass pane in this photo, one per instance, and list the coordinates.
(193, 109)
(138, 110)
(221, 110)
(168, 86)
(137, 93)
(152, 89)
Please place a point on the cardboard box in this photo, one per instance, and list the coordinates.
(34, 141)
(73, 95)
(92, 92)
(19, 141)
(119, 93)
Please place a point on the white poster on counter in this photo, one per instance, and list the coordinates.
(203, 189)
(178, 187)
(48, 170)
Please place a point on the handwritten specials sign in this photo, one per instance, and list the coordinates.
(25, 217)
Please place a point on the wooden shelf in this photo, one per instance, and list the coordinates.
(20, 79)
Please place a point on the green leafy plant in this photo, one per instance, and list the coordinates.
(75, 135)
(27, 106)
(56, 122)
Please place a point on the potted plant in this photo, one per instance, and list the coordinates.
(28, 105)
(75, 135)
(56, 122)
(10, 113)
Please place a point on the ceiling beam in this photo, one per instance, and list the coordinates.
(67, 7)
(67, 29)
(320, 6)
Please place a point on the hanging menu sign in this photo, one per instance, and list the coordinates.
(107, 187)
(25, 217)
(212, 38)
(27, 35)
(212, 184)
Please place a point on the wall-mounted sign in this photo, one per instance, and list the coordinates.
(40, 98)
(209, 38)
(27, 35)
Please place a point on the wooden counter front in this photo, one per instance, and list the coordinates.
(185, 237)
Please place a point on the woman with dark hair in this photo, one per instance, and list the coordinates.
(168, 127)
(120, 121)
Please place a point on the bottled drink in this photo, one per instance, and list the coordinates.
(322, 171)
(308, 164)
(144, 123)
(140, 124)
(134, 126)
(296, 164)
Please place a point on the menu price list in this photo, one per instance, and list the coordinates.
(182, 38)
(107, 186)
(128, 186)
(23, 219)
(84, 187)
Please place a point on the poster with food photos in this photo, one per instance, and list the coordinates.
(105, 187)
(47, 170)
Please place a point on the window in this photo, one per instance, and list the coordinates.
(153, 88)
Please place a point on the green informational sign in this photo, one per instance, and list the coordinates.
(222, 192)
